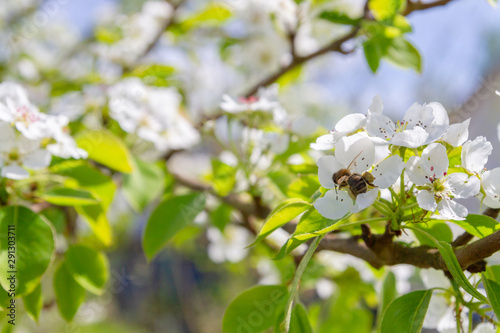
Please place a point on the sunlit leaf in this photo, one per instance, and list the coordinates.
(69, 294)
(90, 268)
(107, 149)
(69, 197)
(255, 310)
(33, 303)
(384, 9)
(338, 17)
(493, 292)
(401, 52)
(144, 184)
(34, 243)
(223, 177)
(284, 213)
(169, 217)
(95, 216)
(406, 314)
(478, 225)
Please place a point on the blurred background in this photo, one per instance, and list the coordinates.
(186, 288)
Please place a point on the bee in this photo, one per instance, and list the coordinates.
(357, 183)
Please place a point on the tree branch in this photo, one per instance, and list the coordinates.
(336, 45)
(380, 250)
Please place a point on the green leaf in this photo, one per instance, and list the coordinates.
(33, 303)
(155, 75)
(281, 215)
(169, 217)
(221, 216)
(143, 185)
(106, 148)
(299, 322)
(375, 48)
(90, 268)
(493, 272)
(34, 242)
(406, 314)
(478, 225)
(223, 177)
(439, 230)
(388, 294)
(215, 13)
(304, 187)
(339, 18)
(313, 224)
(304, 168)
(95, 216)
(69, 294)
(385, 9)
(446, 251)
(255, 310)
(81, 175)
(69, 197)
(402, 53)
(493, 292)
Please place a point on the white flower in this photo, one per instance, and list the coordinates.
(266, 100)
(153, 113)
(346, 126)
(15, 108)
(475, 154)
(437, 189)
(18, 152)
(228, 246)
(485, 328)
(359, 157)
(491, 186)
(457, 134)
(325, 288)
(421, 125)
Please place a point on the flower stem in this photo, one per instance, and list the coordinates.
(402, 192)
(285, 326)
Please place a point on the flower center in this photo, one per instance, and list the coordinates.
(13, 155)
(401, 125)
(248, 100)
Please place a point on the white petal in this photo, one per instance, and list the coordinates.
(452, 210)
(388, 171)
(418, 116)
(411, 138)
(377, 106)
(491, 184)
(475, 154)
(416, 172)
(334, 205)
(36, 160)
(440, 122)
(437, 309)
(357, 153)
(435, 160)
(14, 171)
(380, 126)
(365, 200)
(381, 148)
(324, 142)
(491, 202)
(485, 328)
(351, 123)
(457, 134)
(327, 166)
(426, 200)
(433, 278)
(463, 186)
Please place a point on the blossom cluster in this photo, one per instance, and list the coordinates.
(153, 113)
(29, 137)
(372, 152)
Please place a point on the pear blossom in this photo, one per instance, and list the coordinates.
(266, 100)
(18, 153)
(16, 108)
(358, 156)
(485, 328)
(228, 246)
(435, 188)
(457, 134)
(421, 125)
(153, 113)
(345, 126)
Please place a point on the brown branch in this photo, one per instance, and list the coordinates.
(380, 250)
(336, 45)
